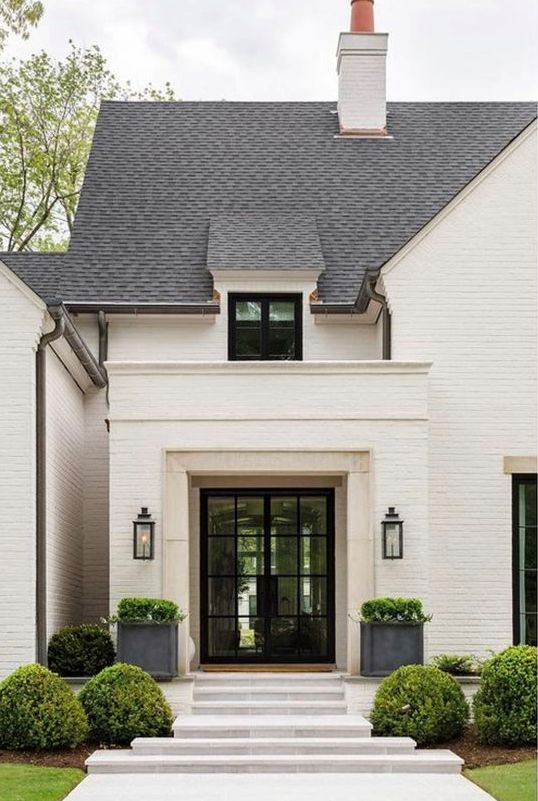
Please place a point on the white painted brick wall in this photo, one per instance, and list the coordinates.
(65, 473)
(158, 338)
(465, 298)
(362, 75)
(20, 327)
(95, 506)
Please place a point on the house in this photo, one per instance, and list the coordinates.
(276, 322)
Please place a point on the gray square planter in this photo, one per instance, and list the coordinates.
(387, 646)
(151, 646)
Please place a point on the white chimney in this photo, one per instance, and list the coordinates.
(362, 72)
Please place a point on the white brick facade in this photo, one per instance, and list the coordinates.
(465, 298)
(434, 439)
(21, 318)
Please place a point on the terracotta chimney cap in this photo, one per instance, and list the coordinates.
(362, 16)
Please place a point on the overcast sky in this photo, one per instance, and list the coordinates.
(285, 49)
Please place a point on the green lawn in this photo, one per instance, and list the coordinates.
(31, 783)
(507, 782)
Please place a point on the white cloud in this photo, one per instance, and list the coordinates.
(285, 49)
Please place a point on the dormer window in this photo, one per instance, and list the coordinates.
(265, 327)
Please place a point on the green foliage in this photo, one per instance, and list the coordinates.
(393, 610)
(420, 702)
(123, 702)
(39, 712)
(458, 665)
(80, 650)
(48, 111)
(33, 783)
(18, 16)
(145, 610)
(505, 705)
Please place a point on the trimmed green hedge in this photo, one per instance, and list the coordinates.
(421, 702)
(393, 610)
(39, 712)
(123, 702)
(505, 705)
(144, 610)
(80, 650)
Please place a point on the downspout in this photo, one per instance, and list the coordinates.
(386, 317)
(103, 338)
(41, 489)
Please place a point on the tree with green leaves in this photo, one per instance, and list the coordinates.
(18, 16)
(48, 111)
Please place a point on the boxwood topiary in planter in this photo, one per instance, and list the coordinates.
(420, 702)
(80, 650)
(123, 702)
(39, 712)
(392, 634)
(505, 705)
(147, 634)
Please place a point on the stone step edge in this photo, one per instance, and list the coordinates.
(155, 744)
(416, 760)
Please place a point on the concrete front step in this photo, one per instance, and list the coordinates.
(269, 708)
(273, 746)
(241, 726)
(285, 692)
(418, 762)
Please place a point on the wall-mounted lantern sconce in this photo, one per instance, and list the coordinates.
(143, 535)
(392, 528)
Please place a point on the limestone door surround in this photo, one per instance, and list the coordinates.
(354, 466)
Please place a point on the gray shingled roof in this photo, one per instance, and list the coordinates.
(159, 172)
(264, 241)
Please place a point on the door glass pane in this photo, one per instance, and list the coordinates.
(248, 594)
(250, 555)
(251, 636)
(313, 516)
(314, 637)
(220, 516)
(314, 596)
(221, 592)
(285, 636)
(283, 516)
(250, 517)
(222, 636)
(221, 556)
(284, 596)
(283, 555)
(313, 555)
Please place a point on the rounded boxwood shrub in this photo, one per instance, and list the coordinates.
(123, 702)
(80, 650)
(505, 705)
(39, 712)
(421, 702)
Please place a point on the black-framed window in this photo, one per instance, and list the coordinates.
(265, 327)
(524, 558)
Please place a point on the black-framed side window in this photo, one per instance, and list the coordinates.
(265, 327)
(524, 558)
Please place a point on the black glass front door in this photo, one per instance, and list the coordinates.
(267, 576)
